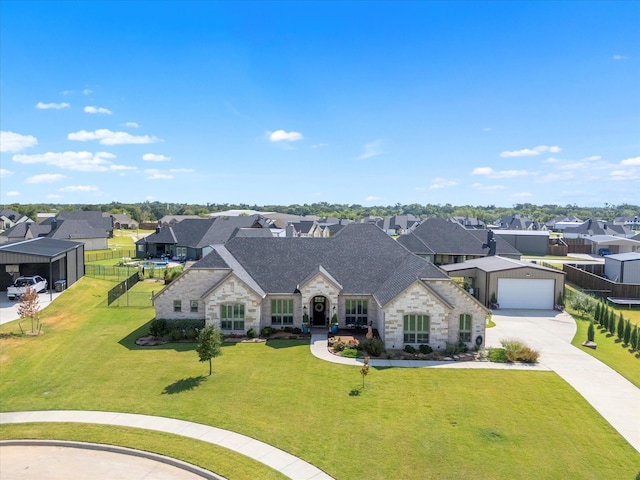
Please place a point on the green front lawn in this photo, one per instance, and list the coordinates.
(406, 423)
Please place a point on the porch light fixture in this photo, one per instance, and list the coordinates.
(304, 309)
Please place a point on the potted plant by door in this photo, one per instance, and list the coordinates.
(305, 323)
(334, 323)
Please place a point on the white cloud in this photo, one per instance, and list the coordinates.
(619, 57)
(486, 129)
(152, 157)
(631, 161)
(45, 178)
(131, 125)
(5, 173)
(442, 183)
(491, 173)
(530, 152)
(79, 188)
(320, 145)
(86, 91)
(487, 188)
(181, 170)
(92, 109)
(371, 150)
(14, 142)
(625, 174)
(372, 198)
(54, 195)
(107, 137)
(482, 171)
(281, 135)
(78, 161)
(116, 168)
(153, 174)
(12, 194)
(55, 106)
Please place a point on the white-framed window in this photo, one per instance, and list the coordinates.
(281, 311)
(356, 312)
(465, 327)
(177, 305)
(194, 306)
(416, 329)
(232, 317)
(181, 251)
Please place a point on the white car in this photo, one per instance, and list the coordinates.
(36, 282)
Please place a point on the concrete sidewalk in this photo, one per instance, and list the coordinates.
(285, 463)
(9, 308)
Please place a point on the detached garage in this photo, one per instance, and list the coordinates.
(514, 283)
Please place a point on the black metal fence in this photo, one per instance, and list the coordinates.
(109, 272)
(108, 255)
(122, 288)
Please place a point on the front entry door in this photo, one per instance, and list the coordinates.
(319, 308)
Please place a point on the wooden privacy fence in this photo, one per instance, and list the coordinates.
(600, 287)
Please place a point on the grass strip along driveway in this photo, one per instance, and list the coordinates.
(405, 423)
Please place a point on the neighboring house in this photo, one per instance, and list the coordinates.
(632, 223)
(122, 221)
(24, 231)
(597, 227)
(517, 222)
(560, 223)
(90, 228)
(168, 220)
(623, 267)
(398, 224)
(614, 244)
(442, 242)
(467, 222)
(9, 218)
(361, 275)
(192, 239)
(514, 283)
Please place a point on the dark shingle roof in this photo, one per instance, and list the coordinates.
(361, 258)
(70, 229)
(443, 237)
(93, 218)
(44, 247)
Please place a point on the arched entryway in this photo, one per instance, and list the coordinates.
(319, 306)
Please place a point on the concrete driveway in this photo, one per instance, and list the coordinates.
(9, 308)
(551, 332)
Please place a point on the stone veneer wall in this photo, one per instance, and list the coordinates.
(319, 285)
(463, 303)
(191, 285)
(416, 299)
(233, 291)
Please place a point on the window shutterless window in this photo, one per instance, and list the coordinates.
(282, 312)
(356, 312)
(232, 317)
(465, 327)
(416, 329)
(194, 306)
(177, 305)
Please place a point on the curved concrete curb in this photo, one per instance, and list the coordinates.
(172, 462)
(285, 463)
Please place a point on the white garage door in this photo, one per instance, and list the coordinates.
(526, 293)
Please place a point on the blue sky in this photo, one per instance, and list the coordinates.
(370, 103)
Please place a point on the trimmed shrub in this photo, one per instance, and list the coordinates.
(425, 349)
(266, 332)
(410, 349)
(626, 337)
(251, 333)
(634, 338)
(159, 327)
(612, 322)
(373, 346)
(498, 355)
(176, 334)
(590, 332)
(349, 353)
